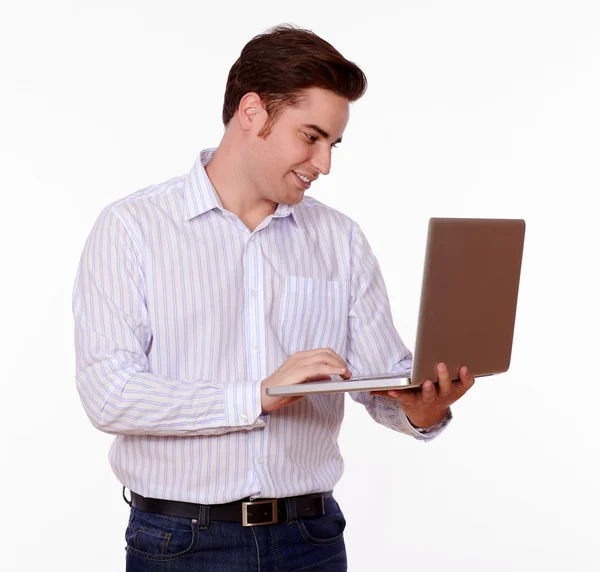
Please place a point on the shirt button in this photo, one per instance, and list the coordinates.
(260, 460)
(244, 418)
(253, 292)
(255, 349)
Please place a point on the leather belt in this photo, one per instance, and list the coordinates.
(247, 512)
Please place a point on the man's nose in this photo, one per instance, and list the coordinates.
(322, 160)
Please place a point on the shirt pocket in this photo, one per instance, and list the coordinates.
(313, 314)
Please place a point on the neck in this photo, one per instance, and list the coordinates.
(237, 194)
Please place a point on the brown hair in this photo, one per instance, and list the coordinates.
(281, 63)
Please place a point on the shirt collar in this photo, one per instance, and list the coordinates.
(200, 195)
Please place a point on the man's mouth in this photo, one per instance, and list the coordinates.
(303, 180)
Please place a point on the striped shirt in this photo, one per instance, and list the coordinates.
(180, 313)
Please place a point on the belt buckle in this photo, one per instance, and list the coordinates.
(245, 505)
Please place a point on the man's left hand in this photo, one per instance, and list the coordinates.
(429, 405)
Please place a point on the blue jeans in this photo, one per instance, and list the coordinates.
(158, 543)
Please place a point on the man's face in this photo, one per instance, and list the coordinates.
(299, 145)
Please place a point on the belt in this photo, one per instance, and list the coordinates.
(249, 513)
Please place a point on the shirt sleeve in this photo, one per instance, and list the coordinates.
(112, 337)
(373, 345)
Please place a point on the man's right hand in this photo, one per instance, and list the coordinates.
(311, 365)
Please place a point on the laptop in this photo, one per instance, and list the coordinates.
(467, 311)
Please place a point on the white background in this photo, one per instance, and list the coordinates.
(485, 109)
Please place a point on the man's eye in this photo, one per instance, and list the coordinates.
(311, 138)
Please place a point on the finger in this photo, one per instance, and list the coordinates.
(320, 378)
(428, 392)
(307, 372)
(327, 355)
(324, 355)
(466, 382)
(408, 398)
(333, 358)
(445, 387)
(320, 351)
(404, 396)
(291, 400)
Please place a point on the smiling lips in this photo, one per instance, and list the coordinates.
(303, 180)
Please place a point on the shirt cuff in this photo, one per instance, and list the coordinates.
(243, 404)
(431, 432)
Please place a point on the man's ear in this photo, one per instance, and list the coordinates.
(251, 111)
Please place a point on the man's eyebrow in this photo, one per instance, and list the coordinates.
(321, 132)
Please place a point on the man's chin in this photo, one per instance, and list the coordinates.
(293, 198)
(297, 199)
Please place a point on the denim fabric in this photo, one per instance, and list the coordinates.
(157, 543)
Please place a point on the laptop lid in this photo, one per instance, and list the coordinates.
(469, 296)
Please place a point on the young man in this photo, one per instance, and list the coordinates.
(195, 295)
